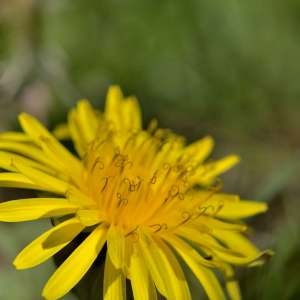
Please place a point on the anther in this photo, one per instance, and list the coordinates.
(122, 201)
(128, 164)
(156, 227)
(97, 163)
(154, 178)
(105, 183)
(181, 196)
(186, 216)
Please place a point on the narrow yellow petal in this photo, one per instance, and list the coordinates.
(113, 103)
(90, 217)
(204, 240)
(32, 209)
(114, 285)
(8, 161)
(199, 150)
(48, 182)
(251, 261)
(80, 143)
(37, 252)
(49, 143)
(78, 197)
(76, 265)
(242, 209)
(87, 120)
(236, 241)
(248, 253)
(142, 285)
(178, 243)
(116, 246)
(16, 180)
(131, 114)
(233, 290)
(163, 266)
(208, 172)
(153, 262)
(213, 223)
(33, 127)
(66, 162)
(15, 136)
(205, 276)
(62, 132)
(27, 150)
(173, 272)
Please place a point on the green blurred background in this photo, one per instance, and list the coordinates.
(226, 68)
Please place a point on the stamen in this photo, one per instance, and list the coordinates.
(97, 163)
(186, 217)
(122, 201)
(181, 196)
(154, 178)
(174, 191)
(132, 231)
(158, 227)
(105, 183)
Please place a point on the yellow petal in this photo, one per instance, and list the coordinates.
(114, 286)
(62, 132)
(178, 243)
(142, 285)
(249, 254)
(87, 120)
(204, 240)
(116, 246)
(33, 127)
(153, 261)
(208, 172)
(49, 143)
(242, 209)
(236, 241)
(32, 209)
(131, 114)
(233, 290)
(251, 261)
(173, 272)
(48, 182)
(28, 150)
(9, 160)
(15, 136)
(76, 265)
(37, 251)
(16, 180)
(231, 284)
(90, 217)
(80, 143)
(113, 103)
(205, 276)
(78, 197)
(199, 150)
(213, 223)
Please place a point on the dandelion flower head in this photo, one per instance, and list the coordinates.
(145, 194)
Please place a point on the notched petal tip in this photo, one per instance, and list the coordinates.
(114, 93)
(233, 159)
(263, 257)
(25, 118)
(18, 266)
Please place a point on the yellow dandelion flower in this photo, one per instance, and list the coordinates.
(144, 193)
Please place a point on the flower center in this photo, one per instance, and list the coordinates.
(140, 182)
